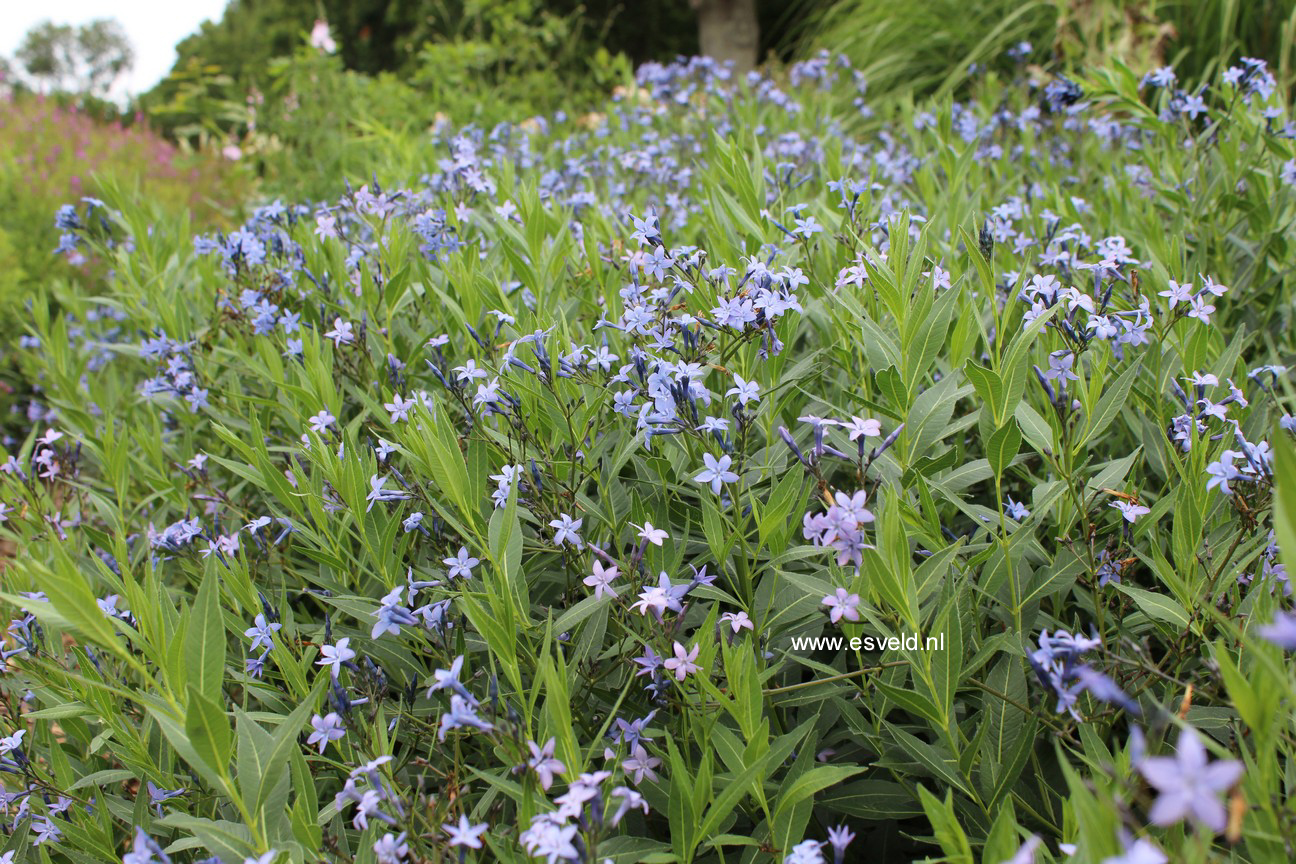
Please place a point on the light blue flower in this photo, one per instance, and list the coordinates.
(716, 473)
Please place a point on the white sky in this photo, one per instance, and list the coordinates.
(153, 27)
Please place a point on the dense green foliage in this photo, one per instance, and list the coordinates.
(492, 502)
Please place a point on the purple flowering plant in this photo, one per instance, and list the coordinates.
(536, 507)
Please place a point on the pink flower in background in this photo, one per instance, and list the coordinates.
(321, 39)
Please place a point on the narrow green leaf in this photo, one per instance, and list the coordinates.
(989, 387)
(205, 640)
(208, 729)
(1002, 447)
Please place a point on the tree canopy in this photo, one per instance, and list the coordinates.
(77, 59)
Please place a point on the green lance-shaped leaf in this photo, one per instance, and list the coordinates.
(1002, 447)
(205, 640)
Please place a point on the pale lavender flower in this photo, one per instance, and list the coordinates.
(1016, 510)
(322, 421)
(660, 597)
(1282, 632)
(565, 530)
(1130, 510)
(859, 427)
(12, 743)
(682, 663)
(142, 850)
(646, 230)
(841, 527)
(325, 224)
(716, 473)
(550, 839)
(1177, 293)
(156, 798)
(487, 394)
(842, 604)
(1210, 286)
(465, 833)
(1109, 569)
(807, 227)
(744, 391)
(1189, 785)
(461, 715)
(399, 407)
(1043, 286)
(1193, 105)
(648, 663)
(336, 655)
(630, 800)
(470, 371)
(1162, 76)
(391, 849)
(377, 492)
(46, 831)
(1222, 472)
(543, 763)
(1141, 851)
(640, 765)
(1060, 366)
(367, 807)
(601, 579)
(805, 852)
(1057, 664)
(341, 334)
(325, 729)
(392, 615)
(653, 535)
(261, 633)
(461, 566)
(738, 621)
(1201, 310)
(257, 524)
(840, 838)
(448, 679)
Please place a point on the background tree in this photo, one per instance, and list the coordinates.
(85, 59)
(104, 54)
(46, 53)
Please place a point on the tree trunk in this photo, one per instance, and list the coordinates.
(729, 32)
